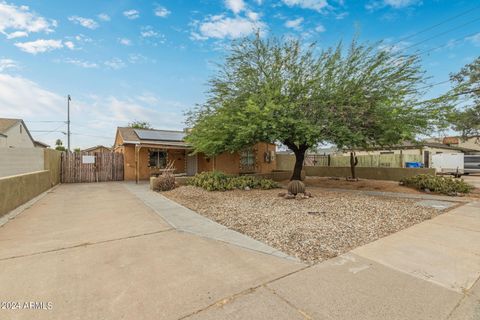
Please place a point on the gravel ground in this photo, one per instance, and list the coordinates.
(313, 229)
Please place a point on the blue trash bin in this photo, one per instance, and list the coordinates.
(413, 164)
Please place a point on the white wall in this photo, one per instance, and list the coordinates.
(18, 138)
(20, 160)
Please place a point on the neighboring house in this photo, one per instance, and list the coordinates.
(14, 134)
(40, 144)
(97, 149)
(147, 152)
(424, 149)
(468, 142)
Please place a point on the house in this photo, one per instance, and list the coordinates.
(14, 134)
(423, 149)
(147, 152)
(472, 142)
(40, 144)
(97, 149)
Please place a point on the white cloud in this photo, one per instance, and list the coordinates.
(18, 21)
(475, 39)
(320, 28)
(104, 17)
(115, 63)
(69, 44)
(17, 34)
(131, 14)
(99, 115)
(39, 46)
(22, 98)
(161, 12)
(81, 63)
(6, 64)
(148, 33)
(396, 4)
(221, 27)
(294, 24)
(253, 15)
(317, 5)
(235, 5)
(125, 41)
(84, 22)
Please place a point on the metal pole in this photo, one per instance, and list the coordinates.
(68, 122)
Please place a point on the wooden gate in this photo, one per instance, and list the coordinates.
(98, 167)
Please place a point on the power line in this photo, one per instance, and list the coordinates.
(439, 24)
(447, 43)
(439, 34)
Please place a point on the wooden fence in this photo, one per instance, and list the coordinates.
(99, 167)
(369, 161)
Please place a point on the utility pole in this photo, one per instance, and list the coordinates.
(68, 123)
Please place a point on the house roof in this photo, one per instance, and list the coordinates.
(7, 123)
(152, 136)
(95, 147)
(40, 144)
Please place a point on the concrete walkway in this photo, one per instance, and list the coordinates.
(96, 251)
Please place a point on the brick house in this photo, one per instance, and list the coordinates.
(147, 152)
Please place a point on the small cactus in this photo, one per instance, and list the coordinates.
(295, 187)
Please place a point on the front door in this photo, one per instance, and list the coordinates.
(191, 165)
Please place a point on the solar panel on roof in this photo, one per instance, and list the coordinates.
(159, 135)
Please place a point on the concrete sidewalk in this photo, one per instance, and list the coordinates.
(96, 251)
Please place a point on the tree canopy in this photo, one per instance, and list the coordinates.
(273, 90)
(140, 124)
(466, 93)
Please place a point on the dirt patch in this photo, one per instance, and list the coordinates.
(315, 229)
(372, 185)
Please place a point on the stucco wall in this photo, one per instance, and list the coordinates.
(394, 174)
(20, 160)
(52, 163)
(18, 189)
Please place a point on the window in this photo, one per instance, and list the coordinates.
(20, 128)
(247, 160)
(157, 159)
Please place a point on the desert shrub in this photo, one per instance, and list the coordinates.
(166, 181)
(440, 184)
(219, 181)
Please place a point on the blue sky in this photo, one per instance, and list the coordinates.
(125, 60)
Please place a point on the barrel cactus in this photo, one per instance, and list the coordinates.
(295, 187)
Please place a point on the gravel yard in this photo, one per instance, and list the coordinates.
(315, 229)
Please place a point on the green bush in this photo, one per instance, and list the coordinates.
(440, 184)
(219, 181)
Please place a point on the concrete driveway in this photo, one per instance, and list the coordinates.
(96, 251)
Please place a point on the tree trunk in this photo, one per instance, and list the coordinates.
(299, 152)
(353, 164)
(297, 169)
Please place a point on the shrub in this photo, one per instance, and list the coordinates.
(219, 181)
(440, 184)
(166, 181)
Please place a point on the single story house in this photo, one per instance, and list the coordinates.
(472, 142)
(14, 134)
(148, 151)
(424, 149)
(97, 149)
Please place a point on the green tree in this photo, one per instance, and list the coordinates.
(77, 150)
(272, 90)
(374, 99)
(59, 145)
(139, 124)
(466, 118)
